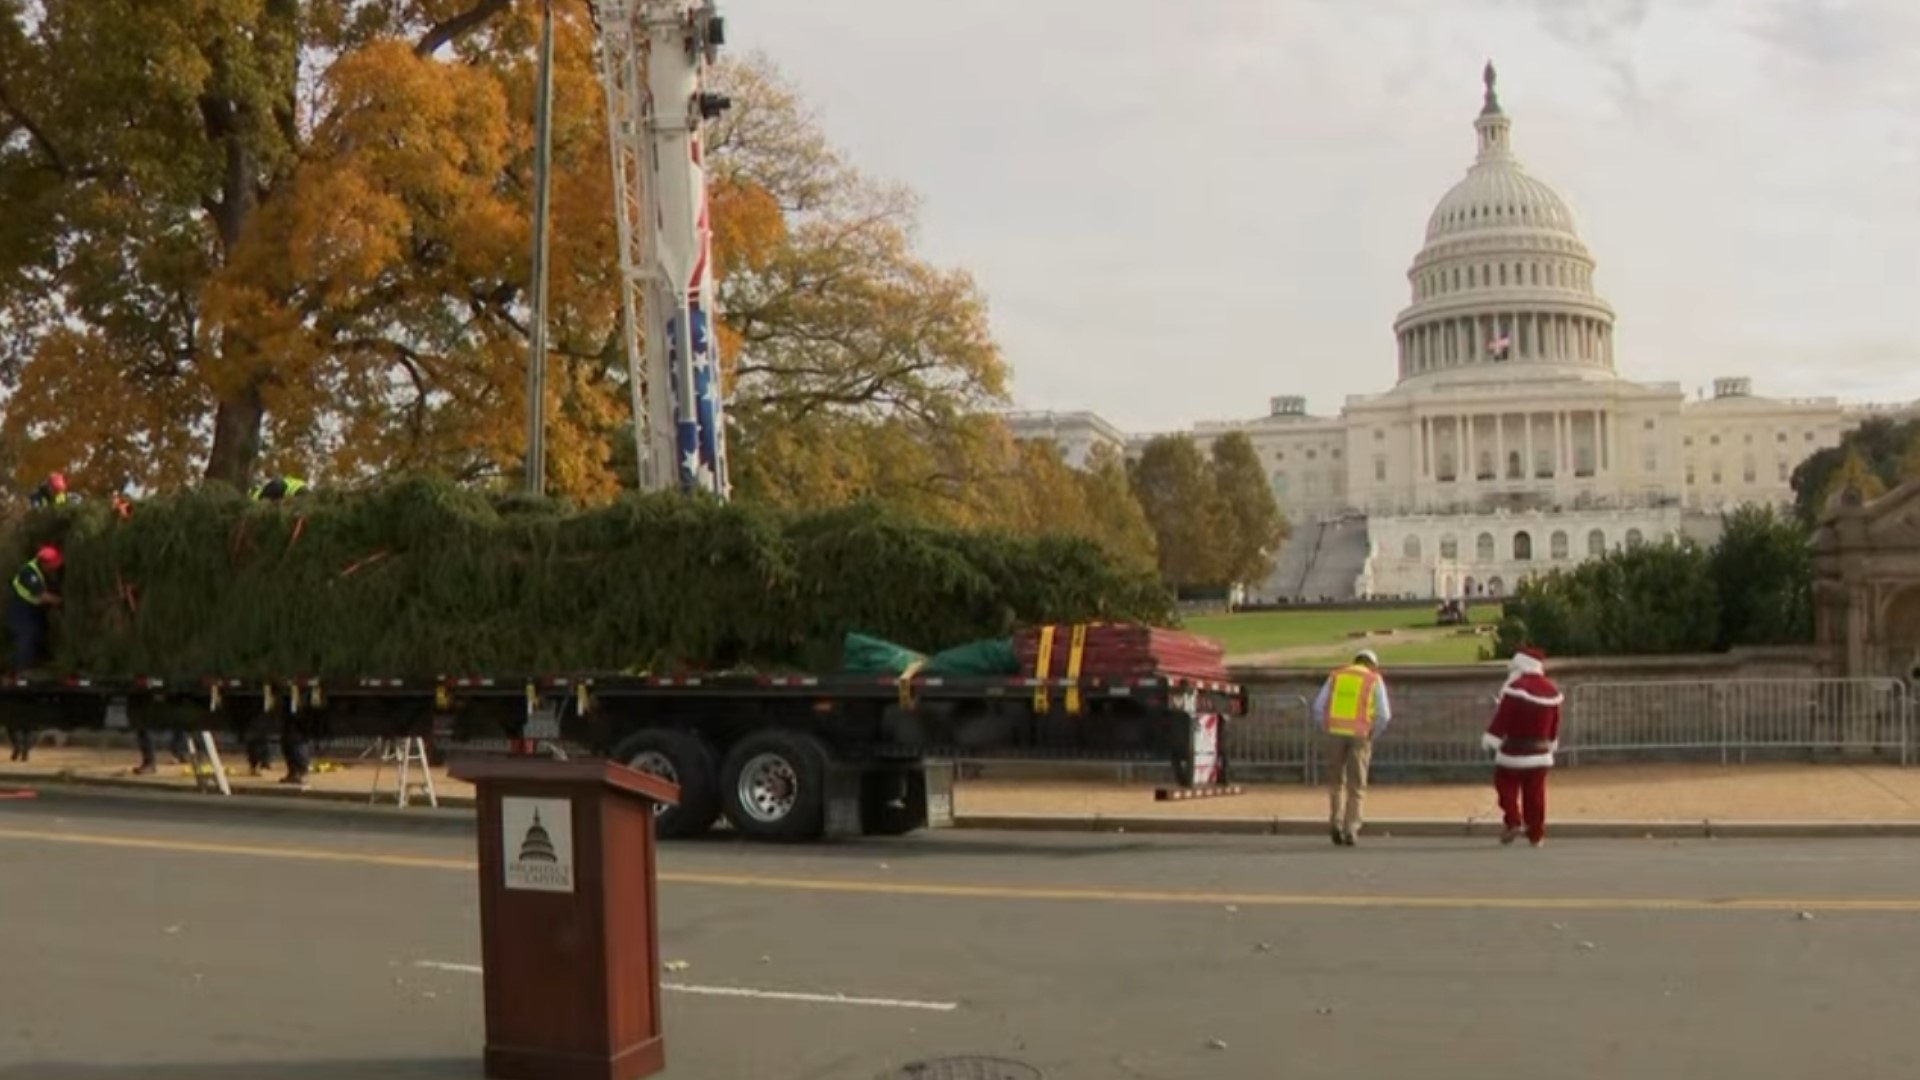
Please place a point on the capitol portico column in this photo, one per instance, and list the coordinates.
(1526, 471)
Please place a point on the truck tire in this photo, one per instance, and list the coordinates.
(773, 786)
(893, 802)
(683, 758)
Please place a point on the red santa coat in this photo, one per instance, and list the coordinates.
(1526, 726)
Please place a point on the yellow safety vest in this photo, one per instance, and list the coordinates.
(1350, 705)
(27, 592)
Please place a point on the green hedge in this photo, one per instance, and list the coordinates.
(423, 578)
(1754, 586)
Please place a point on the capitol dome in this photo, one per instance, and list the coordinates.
(1503, 277)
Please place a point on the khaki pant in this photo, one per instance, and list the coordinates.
(1347, 762)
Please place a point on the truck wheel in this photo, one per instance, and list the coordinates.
(774, 786)
(893, 802)
(684, 759)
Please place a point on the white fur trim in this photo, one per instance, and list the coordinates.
(1552, 746)
(1524, 761)
(1522, 664)
(1491, 741)
(1516, 692)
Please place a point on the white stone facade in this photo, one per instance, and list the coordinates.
(1508, 416)
(1076, 433)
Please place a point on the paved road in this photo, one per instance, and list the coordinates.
(164, 942)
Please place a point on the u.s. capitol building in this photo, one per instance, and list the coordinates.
(1509, 444)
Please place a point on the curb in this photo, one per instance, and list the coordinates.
(338, 804)
(459, 809)
(1440, 827)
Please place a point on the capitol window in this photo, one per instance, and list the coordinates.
(1483, 548)
(1596, 543)
(1449, 547)
(1411, 549)
(1522, 546)
(1379, 468)
(1558, 545)
(1748, 471)
(1634, 539)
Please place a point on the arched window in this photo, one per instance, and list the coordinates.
(1515, 470)
(1483, 548)
(1558, 545)
(1522, 546)
(1411, 549)
(1486, 465)
(1496, 587)
(1634, 539)
(1596, 543)
(1449, 547)
(1446, 471)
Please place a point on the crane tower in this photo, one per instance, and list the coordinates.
(654, 59)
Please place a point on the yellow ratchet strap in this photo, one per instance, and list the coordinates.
(1074, 651)
(905, 682)
(1041, 665)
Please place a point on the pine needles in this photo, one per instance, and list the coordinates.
(421, 578)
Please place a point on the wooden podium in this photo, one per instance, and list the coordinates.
(569, 936)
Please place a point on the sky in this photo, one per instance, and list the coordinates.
(1179, 208)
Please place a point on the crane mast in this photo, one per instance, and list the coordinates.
(654, 58)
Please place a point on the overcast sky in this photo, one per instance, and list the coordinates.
(1177, 208)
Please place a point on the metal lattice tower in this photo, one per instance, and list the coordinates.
(654, 56)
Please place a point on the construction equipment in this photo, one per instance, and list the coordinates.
(654, 59)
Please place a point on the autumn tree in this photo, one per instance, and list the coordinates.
(1119, 521)
(247, 232)
(856, 368)
(1178, 492)
(1255, 528)
(1854, 472)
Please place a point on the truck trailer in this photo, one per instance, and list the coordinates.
(777, 757)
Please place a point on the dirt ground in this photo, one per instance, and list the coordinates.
(1604, 793)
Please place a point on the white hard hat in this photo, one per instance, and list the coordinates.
(1369, 656)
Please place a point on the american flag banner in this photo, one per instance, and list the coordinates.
(700, 434)
(1499, 345)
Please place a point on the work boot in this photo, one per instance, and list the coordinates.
(1339, 838)
(1350, 838)
(1509, 836)
(1539, 842)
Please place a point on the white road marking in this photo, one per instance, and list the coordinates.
(749, 992)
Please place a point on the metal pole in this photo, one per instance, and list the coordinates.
(542, 182)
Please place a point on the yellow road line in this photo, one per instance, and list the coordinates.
(1024, 892)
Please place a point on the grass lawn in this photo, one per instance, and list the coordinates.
(1295, 631)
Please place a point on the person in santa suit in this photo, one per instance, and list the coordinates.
(1523, 736)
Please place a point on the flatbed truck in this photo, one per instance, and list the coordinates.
(777, 757)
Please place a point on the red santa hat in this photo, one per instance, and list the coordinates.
(1528, 661)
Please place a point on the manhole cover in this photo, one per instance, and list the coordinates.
(964, 1068)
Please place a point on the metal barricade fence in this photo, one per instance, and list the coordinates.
(1739, 719)
(1435, 731)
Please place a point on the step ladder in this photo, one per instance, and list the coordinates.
(203, 758)
(405, 754)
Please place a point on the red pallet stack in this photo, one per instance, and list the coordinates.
(1121, 651)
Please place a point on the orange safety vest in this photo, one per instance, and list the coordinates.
(1350, 705)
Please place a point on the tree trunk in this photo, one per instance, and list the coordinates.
(237, 422)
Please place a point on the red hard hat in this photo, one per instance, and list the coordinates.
(57, 481)
(49, 557)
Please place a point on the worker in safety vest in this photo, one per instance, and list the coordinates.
(51, 492)
(1352, 708)
(35, 589)
(280, 487)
